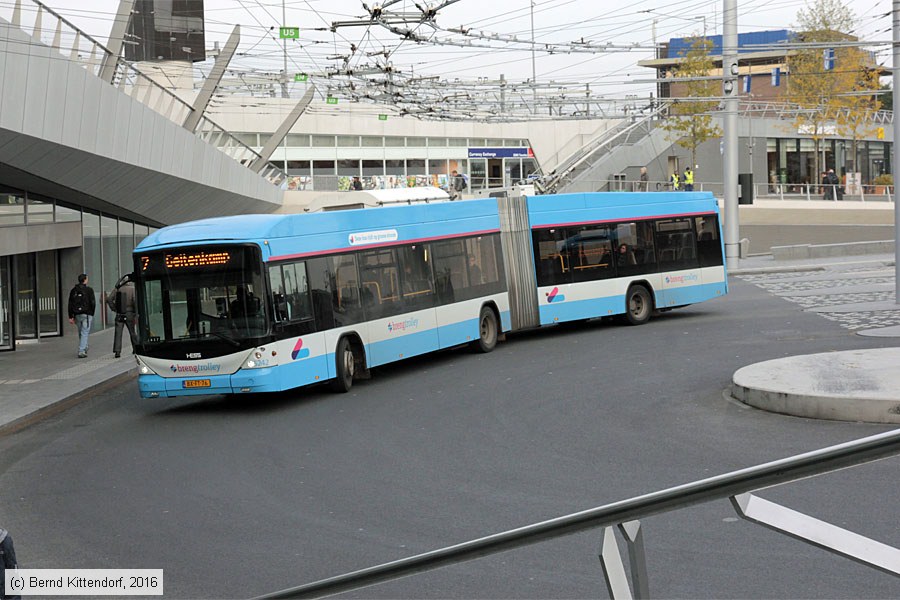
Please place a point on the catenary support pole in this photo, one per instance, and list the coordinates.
(729, 88)
(896, 146)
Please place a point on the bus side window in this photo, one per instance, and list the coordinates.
(297, 291)
(345, 294)
(380, 283)
(709, 248)
(279, 302)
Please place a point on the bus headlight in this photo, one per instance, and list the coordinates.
(142, 367)
(255, 360)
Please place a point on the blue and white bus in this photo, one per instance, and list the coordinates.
(262, 303)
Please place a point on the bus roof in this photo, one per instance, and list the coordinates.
(288, 235)
(332, 230)
(572, 209)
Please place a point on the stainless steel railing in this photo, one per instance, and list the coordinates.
(737, 486)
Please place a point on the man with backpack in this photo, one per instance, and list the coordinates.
(81, 312)
(457, 185)
(121, 302)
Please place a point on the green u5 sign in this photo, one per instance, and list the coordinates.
(289, 33)
(331, 100)
(301, 77)
(382, 117)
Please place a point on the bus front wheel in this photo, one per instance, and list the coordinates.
(488, 330)
(345, 363)
(638, 305)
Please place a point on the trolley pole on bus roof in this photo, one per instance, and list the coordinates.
(729, 88)
(896, 155)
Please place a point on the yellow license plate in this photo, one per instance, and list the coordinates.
(195, 383)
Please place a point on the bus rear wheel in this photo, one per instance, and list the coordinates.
(638, 305)
(488, 331)
(345, 367)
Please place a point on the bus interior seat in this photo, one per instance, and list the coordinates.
(373, 290)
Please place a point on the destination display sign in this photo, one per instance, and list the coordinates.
(188, 261)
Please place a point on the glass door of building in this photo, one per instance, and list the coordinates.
(26, 315)
(6, 336)
(48, 293)
(36, 295)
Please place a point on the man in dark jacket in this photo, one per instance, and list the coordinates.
(121, 302)
(82, 305)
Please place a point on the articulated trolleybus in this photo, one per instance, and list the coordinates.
(264, 303)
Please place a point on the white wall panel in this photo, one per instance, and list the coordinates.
(38, 61)
(186, 152)
(106, 133)
(133, 133)
(151, 126)
(90, 117)
(71, 107)
(121, 125)
(168, 150)
(14, 79)
(57, 84)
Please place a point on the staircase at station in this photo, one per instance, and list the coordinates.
(631, 142)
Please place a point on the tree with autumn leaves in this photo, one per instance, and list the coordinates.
(834, 87)
(690, 121)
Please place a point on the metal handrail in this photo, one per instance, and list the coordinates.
(788, 110)
(568, 166)
(729, 485)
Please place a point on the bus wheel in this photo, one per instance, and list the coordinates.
(345, 363)
(487, 331)
(638, 305)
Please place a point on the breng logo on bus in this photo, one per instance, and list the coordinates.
(554, 296)
(403, 325)
(690, 277)
(208, 367)
(299, 351)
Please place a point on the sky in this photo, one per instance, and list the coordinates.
(630, 26)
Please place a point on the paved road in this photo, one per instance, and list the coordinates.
(239, 497)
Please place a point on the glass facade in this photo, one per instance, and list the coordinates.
(792, 161)
(392, 161)
(34, 286)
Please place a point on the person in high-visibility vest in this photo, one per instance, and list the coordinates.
(688, 180)
(675, 181)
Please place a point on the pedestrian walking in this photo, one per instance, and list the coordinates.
(121, 302)
(82, 306)
(831, 185)
(644, 179)
(457, 185)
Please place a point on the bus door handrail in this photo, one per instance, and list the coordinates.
(737, 486)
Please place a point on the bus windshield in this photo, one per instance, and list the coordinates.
(213, 293)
